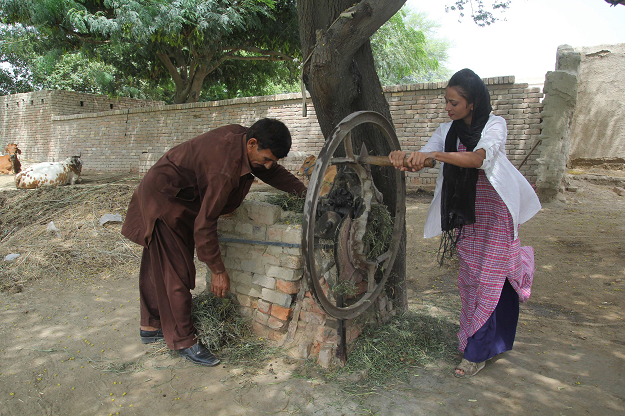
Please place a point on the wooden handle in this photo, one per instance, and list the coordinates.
(384, 161)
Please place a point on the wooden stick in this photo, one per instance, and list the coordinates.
(384, 161)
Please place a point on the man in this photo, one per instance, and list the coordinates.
(174, 210)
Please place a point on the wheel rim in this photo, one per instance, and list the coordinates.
(316, 276)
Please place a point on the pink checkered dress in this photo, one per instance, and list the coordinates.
(488, 254)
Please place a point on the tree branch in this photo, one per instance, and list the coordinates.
(357, 24)
(171, 68)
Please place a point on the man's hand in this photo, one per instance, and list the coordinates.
(220, 284)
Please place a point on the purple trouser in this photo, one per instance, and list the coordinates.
(497, 334)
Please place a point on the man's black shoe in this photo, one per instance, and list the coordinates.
(199, 354)
(148, 337)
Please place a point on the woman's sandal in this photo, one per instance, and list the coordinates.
(469, 368)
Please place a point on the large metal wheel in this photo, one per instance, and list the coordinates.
(342, 274)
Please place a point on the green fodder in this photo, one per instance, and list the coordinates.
(288, 202)
(390, 352)
(221, 328)
(379, 231)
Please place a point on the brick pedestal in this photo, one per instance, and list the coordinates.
(269, 285)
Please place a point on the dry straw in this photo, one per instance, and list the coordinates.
(80, 249)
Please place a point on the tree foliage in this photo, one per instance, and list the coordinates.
(407, 50)
(189, 50)
(183, 41)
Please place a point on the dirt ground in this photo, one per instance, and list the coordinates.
(71, 347)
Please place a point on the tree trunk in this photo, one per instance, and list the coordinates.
(188, 80)
(340, 75)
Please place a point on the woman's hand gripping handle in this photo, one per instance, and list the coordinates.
(415, 162)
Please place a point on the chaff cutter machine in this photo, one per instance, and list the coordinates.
(350, 239)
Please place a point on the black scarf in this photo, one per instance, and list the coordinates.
(459, 184)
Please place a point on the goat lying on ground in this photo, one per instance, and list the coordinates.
(66, 172)
(328, 179)
(9, 162)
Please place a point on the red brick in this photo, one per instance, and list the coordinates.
(287, 287)
(281, 313)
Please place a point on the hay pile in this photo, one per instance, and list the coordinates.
(80, 249)
(222, 329)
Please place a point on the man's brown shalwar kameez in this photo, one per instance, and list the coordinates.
(175, 209)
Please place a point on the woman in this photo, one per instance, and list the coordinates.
(479, 202)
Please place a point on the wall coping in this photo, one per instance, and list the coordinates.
(265, 98)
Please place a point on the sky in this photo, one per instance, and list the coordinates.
(525, 44)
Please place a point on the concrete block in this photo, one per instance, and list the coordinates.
(264, 281)
(269, 259)
(283, 273)
(292, 235)
(263, 213)
(244, 300)
(261, 318)
(238, 251)
(293, 251)
(252, 266)
(259, 232)
(244, 229)
(291, 262)
(279, 298)
(240, 278)
(274, 234)
(264, 306)
(275, 251)
(249, 290)
(232, 263)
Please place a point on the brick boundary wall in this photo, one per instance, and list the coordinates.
(130, 135)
